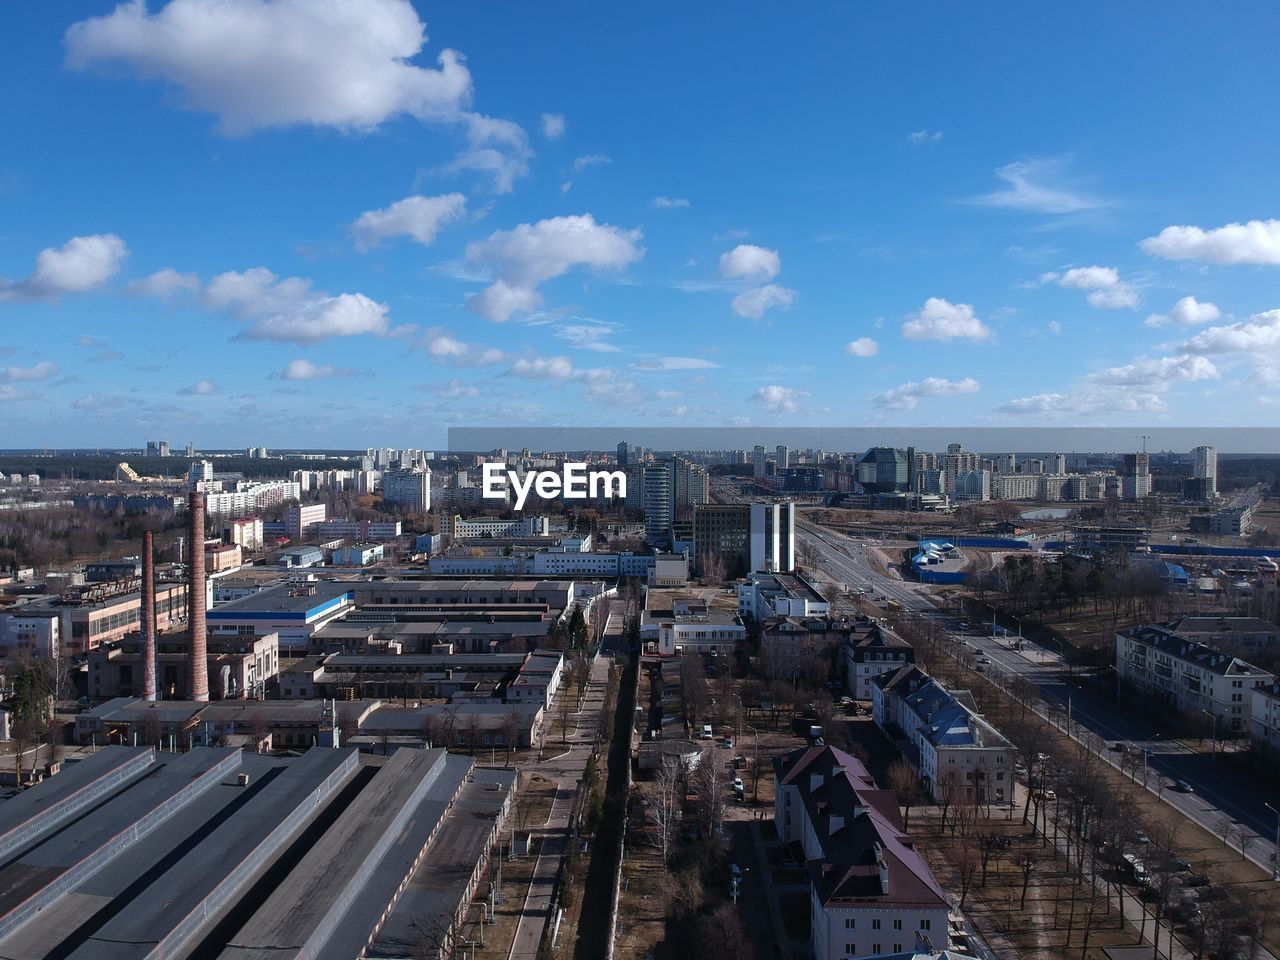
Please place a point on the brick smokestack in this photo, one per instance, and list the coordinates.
(198, 657)
(148, 617)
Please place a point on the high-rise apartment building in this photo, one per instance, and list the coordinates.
(1204, 468)
(408, 487)
(1135, 476)
(656, 496)
(758, 461)
(773, 537)
(624, 453)
(783, 457)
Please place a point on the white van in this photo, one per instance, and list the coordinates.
(706, 732)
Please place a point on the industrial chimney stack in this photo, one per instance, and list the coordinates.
(198, 667)
(148, 617)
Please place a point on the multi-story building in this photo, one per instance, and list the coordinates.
(955, 752)
(773, 537)
(883, 470)
(758, 461)
(677, 620)
(1264, 719)
(527, 526)
(30, 632)
(764, 595)
(1164, 669)
(871, 892)
(624, 453)
(408, 487)
(783, 457)
(723, 531)
(975, 485)
(245, 533)
(656, 481)
(1135, 476)
(1203, 483)
(1243, 636)
(300, 519)
(1014, 486)
(871, 650)
(365, 531)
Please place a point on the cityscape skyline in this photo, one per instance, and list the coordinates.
(189, 251)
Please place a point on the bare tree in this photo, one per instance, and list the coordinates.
(905, 784)
(667, 801)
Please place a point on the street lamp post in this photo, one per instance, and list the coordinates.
(1275, 854)
(1213, 717)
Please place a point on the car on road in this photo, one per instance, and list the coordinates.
(728, 743)
(985, 660)
(737, 784)
(1181, 786)
(707, 734)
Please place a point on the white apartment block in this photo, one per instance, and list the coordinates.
(408, 487)
(954, 750)
(300, 520)
(1166, 669)
(871, 893)
(530, 526)
(1264, 718)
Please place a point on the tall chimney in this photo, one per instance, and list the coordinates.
(197, 651)
(148, 617)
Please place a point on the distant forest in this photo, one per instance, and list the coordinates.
(67, 466)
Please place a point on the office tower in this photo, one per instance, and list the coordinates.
(883, 470)
(624, 453)
(200, 471)
(758, 461)
(783, 457)
(973, 485)
(723, 530)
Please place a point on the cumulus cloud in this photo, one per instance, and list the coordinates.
(277, 63)
(445, 348)
(531, 254)
(747, 261)
(862, 347)
(1157, 373)
(908, 395)
(165, 285)
(553, 125)
(542, 368)
(941, 319)
(44, 370)
(776, 399)
(674, 363)
(11, 394)
(497, 148)
(1259, 334)
(1106, 290)
(1256, 242)
(922, 138)
(588, 336)
(306, 370)
(753, 303)
(419, 218)
(78, 266)
(1037, 186)
(346, 315)
(670, 203)
(201, 388)
(1187, 312)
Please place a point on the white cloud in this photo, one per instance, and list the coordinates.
(862, 347)
(941, 319)
(165, 285)
(588, 336)
(346, 315)
(1158, 373)
(276, 63)
(590, 160)
(419, 218)
(525, 257)
(78, 266)
(10, 394)
(1054, 327)
(553, 125)
(306, 370)
(776, 399)
(747, 261)
(256, 292)
(44, 370)
(1106, 290)
(1034, 186)
(670, 203)
(201, 388)
(543, 368)
(1257, 241)
(753, 303)
(1083, 402)
(908, 395)
(674, 363)
(921, 138)
(1187, 312)
(444, 347)
(454, 390)
(498, 148)
(1259, 334)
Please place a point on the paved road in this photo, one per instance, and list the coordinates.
(566, 770)
(1217, 792)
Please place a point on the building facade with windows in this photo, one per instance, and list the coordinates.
(1165, 669)
(870, 891)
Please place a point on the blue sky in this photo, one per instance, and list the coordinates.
(268, 221)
